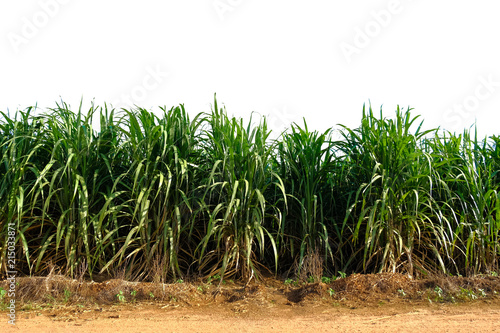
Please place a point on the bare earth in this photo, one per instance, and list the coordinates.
(358, 303)
(471, 317)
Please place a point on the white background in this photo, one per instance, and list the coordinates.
(286, 59)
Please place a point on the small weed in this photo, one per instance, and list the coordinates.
(311, 279)
(211, 279)
(3, 305)
(438, 291)
(439, 294)
(291, 282)
(179, 281)
(67, 295)
(120, 297)
(151, 295)
(200, 289)
(468, 293)
(342, 274)
(3, 292)
(402, 292)
(331, 292)
(326, 280)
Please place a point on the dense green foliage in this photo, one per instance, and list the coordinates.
(163, 194)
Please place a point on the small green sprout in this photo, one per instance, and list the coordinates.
(3, 292)
(67, 295)
(120, 296)
(326, 280)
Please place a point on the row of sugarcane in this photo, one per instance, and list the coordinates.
(163, 194)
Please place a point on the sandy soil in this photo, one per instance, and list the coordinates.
(471, 317)
(358, 303)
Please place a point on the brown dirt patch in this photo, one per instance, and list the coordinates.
(372, 302)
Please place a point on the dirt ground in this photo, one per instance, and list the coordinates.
(478, 317)
(358, 303)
